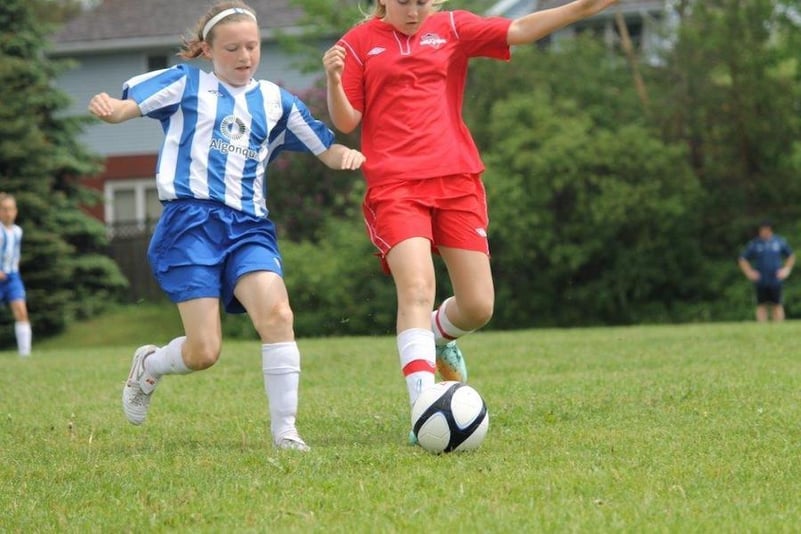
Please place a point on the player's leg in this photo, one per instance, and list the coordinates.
(185, 255)
(461, 238)
(22, 326)
(473, 300)
(198, 349)
(777, 308)
(762, 298)
(264, 297)
(398, 221)
(14, 294)
(469, 308)
(412, 269)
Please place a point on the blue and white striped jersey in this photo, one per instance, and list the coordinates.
(11, 248)
(219, 139)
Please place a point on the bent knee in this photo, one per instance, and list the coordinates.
(478, 313)
(201, 356)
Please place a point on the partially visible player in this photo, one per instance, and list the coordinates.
(214, 240)
(12, 289)
(400, 74)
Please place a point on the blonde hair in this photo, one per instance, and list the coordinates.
(380, 11)
(191, 43)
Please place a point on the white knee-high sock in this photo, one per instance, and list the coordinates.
(22, 330)
(444, 330)
(416, 350)
(167, 360)
(281, 368)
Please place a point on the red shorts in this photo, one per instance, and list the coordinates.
(449, 211)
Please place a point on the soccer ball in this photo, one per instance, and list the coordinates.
(450, 416)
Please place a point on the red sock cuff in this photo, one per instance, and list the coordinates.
(439, 326)
(418, 366)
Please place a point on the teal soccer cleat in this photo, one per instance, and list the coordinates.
(450, 363)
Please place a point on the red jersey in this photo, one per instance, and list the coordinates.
(410, 88)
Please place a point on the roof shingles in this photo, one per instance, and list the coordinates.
(124, 19)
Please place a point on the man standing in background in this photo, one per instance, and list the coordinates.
(767, 260)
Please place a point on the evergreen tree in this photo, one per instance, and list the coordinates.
(63, 264)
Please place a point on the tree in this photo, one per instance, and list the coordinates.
(65, 270)
(591, 217)
(730, 92)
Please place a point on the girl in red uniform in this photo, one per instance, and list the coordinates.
(401, 75)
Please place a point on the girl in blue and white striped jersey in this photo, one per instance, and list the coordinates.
(214, 239)
(12, 289)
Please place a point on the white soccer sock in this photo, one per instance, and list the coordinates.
(416, 350)
(22, 330)
(281, 368)
(167, 360)
(444, 329)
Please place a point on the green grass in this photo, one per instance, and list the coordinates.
(640, 429)
(120, 326)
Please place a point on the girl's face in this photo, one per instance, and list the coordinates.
(234, 49)
(406, 16)
(8, 212)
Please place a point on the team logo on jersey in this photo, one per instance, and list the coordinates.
(482, 232)
(433, 40)
(377, 50)
(233, 128)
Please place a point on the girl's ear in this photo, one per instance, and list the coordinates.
(206, 49)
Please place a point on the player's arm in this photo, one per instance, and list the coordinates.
(789, 263)
(535, 26)
(344, 116)
(113, 110)
(747, 270)
(339, 157)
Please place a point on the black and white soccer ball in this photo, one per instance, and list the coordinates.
(450, 416)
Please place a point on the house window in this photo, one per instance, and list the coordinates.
(635, 31)
(132, 207)
(156, 63)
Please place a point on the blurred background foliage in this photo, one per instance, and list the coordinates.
(610, 203)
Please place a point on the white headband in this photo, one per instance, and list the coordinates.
(221, 15)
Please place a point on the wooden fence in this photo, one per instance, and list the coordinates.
(128, 248)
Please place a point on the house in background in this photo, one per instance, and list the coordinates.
(645, 20)
(118, 39)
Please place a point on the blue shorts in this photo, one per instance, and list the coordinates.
(769, 294)
(201, 248)
(12, 288)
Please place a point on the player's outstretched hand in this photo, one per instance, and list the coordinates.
(101, 105)
(352, 159)
(112, 110)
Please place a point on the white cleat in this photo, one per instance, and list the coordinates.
(292, 442)
(139, 387)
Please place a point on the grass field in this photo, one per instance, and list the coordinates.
(640, 429)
